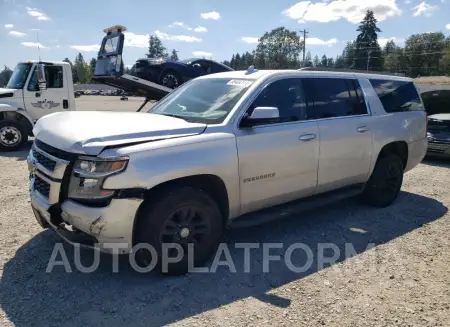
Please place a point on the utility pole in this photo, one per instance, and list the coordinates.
(304, 32)
(368, 59)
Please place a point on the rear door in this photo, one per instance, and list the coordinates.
(345, 131)
(55, 98)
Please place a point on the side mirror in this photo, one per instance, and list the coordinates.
(42, 82)
(261, 115)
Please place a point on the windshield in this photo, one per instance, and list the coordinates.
(19, 76)
(203, 100)
(188, 61)
(111, 45)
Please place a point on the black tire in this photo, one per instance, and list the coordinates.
(13, 135)
(174, 75)
(384, 185)
(157, 215)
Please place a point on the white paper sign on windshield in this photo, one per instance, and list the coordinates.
(240, 82)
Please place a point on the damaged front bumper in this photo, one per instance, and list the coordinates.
(104, 228)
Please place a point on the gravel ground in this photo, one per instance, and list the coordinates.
(404, 280)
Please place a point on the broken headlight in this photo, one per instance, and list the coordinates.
(90, 173)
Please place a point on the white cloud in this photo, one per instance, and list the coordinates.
(447, 26)
(210, 15)
(86, 48)
(17, 34)
(9, 26)
(182, 38)
(136, 40)
(200, 29)
(35, 29)
(249, 39)
(201, 54)
(317, 41)
(33, 45)
(38, 14)
(383, 40)
(351, 10)
(424, 9)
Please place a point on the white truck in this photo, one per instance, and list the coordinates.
(34, 90)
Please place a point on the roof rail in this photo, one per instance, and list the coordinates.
(347, 70)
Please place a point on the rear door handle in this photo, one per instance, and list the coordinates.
(307, 137)
(362, 129)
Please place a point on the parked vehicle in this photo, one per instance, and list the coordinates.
(172, 74)
(437, 104)
(124, 97)
(207, 157)
(34, 90)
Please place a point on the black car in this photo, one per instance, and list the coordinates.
(172, 74)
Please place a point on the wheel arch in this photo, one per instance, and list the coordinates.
(19, 115)
(399, 148)
(211, 184)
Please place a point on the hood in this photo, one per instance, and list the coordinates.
(440, 117)
(90, 132)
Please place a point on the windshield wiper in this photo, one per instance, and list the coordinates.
(175, 116)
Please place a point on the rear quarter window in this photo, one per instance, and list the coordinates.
(397, 96)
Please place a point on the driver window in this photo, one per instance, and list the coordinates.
(53, 75)
(206, 66)
(287, 95)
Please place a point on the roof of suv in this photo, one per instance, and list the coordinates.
(257, 74)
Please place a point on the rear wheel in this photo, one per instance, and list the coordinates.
(186, 217)
(171, 79)
(12, 135)
(385, 183)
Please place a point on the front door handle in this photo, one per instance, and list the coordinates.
(362, 129)
(307, 137)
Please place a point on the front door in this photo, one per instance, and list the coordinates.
(278, 161)
(55, 98)
(345, 132)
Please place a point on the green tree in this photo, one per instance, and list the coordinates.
(390, 47)
(324, 61)
(5, 75)
(444, 63)
(79, 69)
(330, 62)
(423, 53)
(348, 55)
(339, 62)
(395, 61)
(308, 60)
(237, 61)
(87, 73)
(174, 55)
(156, 48)
(366, 44)
(278, 49)
(316, 61)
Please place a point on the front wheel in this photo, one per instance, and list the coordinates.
(385, 183)
(184, 218)
(12, 135)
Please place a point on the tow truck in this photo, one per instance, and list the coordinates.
(39, 88)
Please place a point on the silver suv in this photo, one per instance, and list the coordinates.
(226, 149)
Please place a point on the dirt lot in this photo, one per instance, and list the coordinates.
(404, 280)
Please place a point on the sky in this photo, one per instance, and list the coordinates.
(205, 28)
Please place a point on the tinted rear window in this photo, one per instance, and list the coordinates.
(397, 96)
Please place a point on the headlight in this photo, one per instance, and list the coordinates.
(90, 173)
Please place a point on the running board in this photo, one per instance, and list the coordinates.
(295, 207)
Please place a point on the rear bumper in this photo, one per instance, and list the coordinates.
(416, 152)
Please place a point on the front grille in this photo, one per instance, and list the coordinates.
(48, 163)
(42, 186)
(54, 151)
(438, 147)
